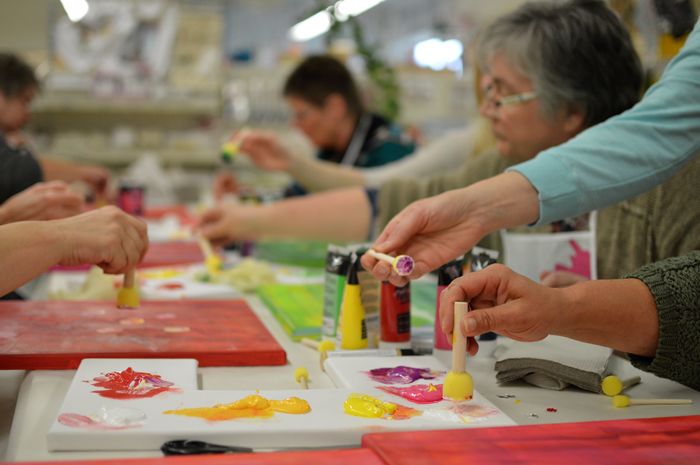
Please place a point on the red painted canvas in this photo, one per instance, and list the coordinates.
(38, 335)
(320, 457)
(672, 440)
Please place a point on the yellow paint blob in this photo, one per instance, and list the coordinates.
(431, 388)
(362, 405)
(252, 406)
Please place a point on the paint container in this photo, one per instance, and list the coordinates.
(353, 327)
(480, 259)
(370, 292)
(442, 346)
(337, 263)
(131, 198)
(395, 316)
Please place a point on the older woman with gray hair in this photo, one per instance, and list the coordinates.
(553, 69)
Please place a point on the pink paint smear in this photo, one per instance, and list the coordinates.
(419, 393)
(75, 420)
(401, 374)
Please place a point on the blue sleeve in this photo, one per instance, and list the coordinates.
(627, 154)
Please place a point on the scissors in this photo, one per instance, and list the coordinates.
(187, 447)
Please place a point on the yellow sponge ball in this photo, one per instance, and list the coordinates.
(611, 385)
(128, 297)
(458, 386)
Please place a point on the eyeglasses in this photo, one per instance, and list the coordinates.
(514, 99)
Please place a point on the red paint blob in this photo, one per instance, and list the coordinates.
(551, 409)
(172, 286)
(130, 384)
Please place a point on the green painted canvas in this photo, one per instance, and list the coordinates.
(299, 307)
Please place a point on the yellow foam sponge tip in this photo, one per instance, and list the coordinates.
(621, 401)
(301, 373)
(213, 263)
(128, 297)
(458, 386)
(611, 385)
(326, 346)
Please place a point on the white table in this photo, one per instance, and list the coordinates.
(42, 392)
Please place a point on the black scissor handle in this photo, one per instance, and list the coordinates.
(187, 447)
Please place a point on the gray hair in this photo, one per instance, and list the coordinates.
(578, 55)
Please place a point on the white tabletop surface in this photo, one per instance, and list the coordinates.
(39, 394)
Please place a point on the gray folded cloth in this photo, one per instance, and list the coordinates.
(553, 363)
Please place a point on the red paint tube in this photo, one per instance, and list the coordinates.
(395, 315)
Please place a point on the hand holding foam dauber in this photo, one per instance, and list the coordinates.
(401, 264)
(458, 383)
(128, 296)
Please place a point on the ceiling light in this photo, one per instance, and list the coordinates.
(75, 9)
(320, 23)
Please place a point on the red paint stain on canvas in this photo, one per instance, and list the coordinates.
(130, 384)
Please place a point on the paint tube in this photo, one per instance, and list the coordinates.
(395, 316)
(337, 261)
(353, 327)
(371, 353)
(370, 291)
(442, 346)
(480, 259)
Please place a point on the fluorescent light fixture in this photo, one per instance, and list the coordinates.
(347, 8)
(320, 23)
(75, 9)
(311, 27)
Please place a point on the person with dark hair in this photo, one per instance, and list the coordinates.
(19, 167)
(326, 106)
(530, 109)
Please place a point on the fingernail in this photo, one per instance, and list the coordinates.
(471, 324)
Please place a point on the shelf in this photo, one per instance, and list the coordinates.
(116, 158)
(205, 105)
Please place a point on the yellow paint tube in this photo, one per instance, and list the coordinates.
(353, 326)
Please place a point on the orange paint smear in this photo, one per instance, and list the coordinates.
(253, 406)
(404, 413)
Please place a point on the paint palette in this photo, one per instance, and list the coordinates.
(57, 335)
(415, 379)
(88, 420)
(181, 283)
